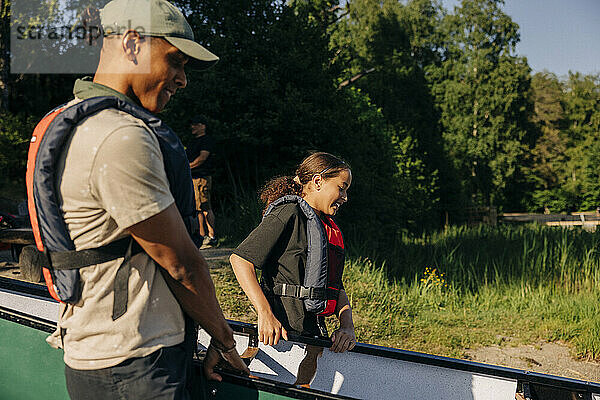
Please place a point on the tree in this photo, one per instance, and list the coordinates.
(582, 107)
(423, 19)
(381, 49)
(4, 53)
(481, 90)
(549, 158)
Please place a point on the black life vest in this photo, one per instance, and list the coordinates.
(61, 260)
(324, 261)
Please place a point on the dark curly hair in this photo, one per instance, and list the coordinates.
(325, 164)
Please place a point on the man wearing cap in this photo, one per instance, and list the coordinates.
(200, 155)
(111, 183)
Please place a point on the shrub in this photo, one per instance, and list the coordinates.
(15, 132)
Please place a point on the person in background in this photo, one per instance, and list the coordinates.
(200, 153)
(279, 247)
(132, 335)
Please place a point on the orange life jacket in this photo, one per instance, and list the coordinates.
(60, 258)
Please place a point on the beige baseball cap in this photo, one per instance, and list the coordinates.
(156, 18)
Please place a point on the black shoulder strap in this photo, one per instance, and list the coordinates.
(75, 259)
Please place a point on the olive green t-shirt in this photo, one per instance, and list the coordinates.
(278, 246)
(111, 176)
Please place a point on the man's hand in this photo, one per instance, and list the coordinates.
(213, 357)
(164, 238)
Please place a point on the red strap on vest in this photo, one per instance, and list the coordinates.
(334, 234)
(50, 284)
(334, 237)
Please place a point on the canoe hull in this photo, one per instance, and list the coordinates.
(31, 369)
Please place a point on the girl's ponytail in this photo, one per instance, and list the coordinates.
(279, 187)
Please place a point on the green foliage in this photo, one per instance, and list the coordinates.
(423, 19)
(417, 187)
(4, 53)
(481, 90)
(472, 258)
(379, 48)
(567, 155)
(365, 142)
(320, 12)
(582, 106)
(15, 132)
(424, 315)
(548, 155)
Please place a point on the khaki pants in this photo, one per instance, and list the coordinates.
(202, 187)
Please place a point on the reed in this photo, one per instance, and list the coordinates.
(471, 258)
(474, 287)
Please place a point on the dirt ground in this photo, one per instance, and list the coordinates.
(548, 358)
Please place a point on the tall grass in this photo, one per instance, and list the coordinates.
(471, 258)
(427, 315)
(466, 287)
